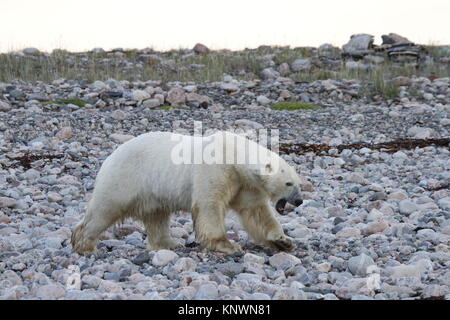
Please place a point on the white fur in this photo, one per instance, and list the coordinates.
(140, 180)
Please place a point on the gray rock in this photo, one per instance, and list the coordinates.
(358, 42)
(31, 51)
(4, 106)
(393, 38)
(301, 65)
(140, 259)
(358, 265)
(284, 69)
(119, 115)
(443, 203)
(230, 269)
(269, 73)
(6, 202)
(229, 87)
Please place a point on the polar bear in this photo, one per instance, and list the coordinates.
(150, 176)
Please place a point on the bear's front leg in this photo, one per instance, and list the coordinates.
(260, 223)
(210, 228)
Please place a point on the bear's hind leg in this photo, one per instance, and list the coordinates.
(210, 228)
(158, 232)
(262, 226)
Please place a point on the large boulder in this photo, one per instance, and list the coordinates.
(393, 38)
(358, 43)
(301, 65)
(200, 48)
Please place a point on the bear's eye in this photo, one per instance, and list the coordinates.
(289, 184)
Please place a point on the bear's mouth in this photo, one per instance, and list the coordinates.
(279, 206)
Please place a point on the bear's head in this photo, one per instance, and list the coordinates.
(282, 184)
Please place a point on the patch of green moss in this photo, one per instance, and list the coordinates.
(76, 101)
(167, 107)
(293, 105)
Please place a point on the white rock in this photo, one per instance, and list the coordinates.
(404, 271)
(428, 96)
(151, 103)
(99, 85)
(427, 234)
(119, 115)
(289, 294)
(64, 133)
(139, 95)
(301, 232)
(324, 267)
(376, 227)
(163, 257)
(229, 87)
(420, 132)
(54, 197)
(185, 264)
(121, 138)
(31, 174)
(250, 257)
(207, 291)
(444, 203)
(248, 123)
(50, 292)
(263, 100)
(280, 258)
(110, 286)
(356, 178)
(435, 290)
(398, 195)
(407, 207)
(348, 232)
(400, 155)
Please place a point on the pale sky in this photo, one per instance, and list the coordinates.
(78, 25)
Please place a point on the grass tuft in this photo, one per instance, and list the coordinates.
(293, 105)
(167, 107)
(76, 101)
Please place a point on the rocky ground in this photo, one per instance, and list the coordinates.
(375, 224)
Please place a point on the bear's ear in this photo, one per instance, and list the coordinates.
(268, 168)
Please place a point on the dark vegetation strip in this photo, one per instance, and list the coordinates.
(27, 159)
(389, 147)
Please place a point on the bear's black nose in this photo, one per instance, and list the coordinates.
(298, 202)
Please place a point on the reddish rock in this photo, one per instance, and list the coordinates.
(200, 48)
